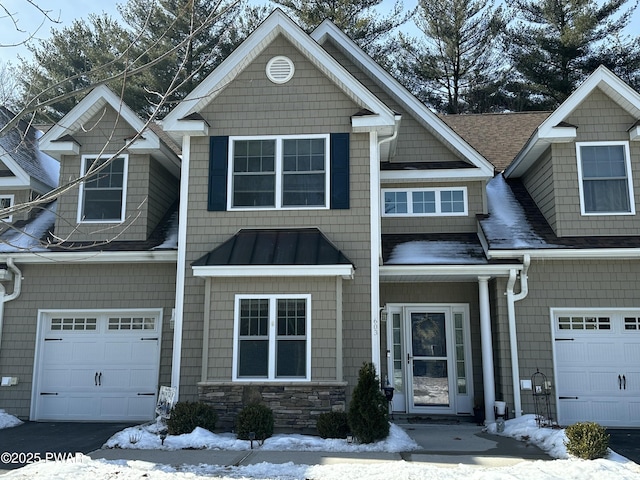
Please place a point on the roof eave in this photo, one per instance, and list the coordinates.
(344, 271)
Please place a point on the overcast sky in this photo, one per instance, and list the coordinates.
(31, 22)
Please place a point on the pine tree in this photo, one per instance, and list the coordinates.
(555, 44)
(358, 19)
(368, 411)
(454, 67)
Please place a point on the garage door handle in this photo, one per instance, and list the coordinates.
(568, 398)
(619, 382)
(100, 379)
(624, 382)
(95, 379)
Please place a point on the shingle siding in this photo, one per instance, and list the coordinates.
(598, 119)
(579, 284)
(252, 105)
(72, 287)
(539, 182)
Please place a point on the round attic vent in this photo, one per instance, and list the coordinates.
(280, 69)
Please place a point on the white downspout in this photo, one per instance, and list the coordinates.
(513, 338)
(376, 242)
(4, 298)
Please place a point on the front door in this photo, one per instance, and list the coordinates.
(429, 350)
(432, 368)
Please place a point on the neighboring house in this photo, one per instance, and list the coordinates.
(327, 218)
(25, 172)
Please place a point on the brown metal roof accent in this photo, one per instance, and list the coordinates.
(67, 138)
(295, 246)
(498, 137)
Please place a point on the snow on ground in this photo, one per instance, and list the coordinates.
(524, 428)
(147, 438)
(7, 420)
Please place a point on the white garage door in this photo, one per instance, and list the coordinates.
(597, 355)
(98, 366)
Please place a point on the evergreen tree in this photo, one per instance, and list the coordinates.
(555, 44)
(368, 410)
(171, 45)
(454, 67)
(358, 19)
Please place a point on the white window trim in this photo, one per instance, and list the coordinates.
(125, 174)
(278, 172)
(438, 191)
(273, 301)
(627, 159)
(11, 198)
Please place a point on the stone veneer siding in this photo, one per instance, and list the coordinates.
(295, 406)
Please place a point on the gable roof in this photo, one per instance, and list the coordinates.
(59, 139)
(19, 152)
(555, 129)
(184, 119)
(428, 119)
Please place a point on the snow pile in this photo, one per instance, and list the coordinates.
(526, 429)
(146, 437)
(7, 420)
(28, 238)
(436, 252)
(507, 225)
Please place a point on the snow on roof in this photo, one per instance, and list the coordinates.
(171, 235)
(439, 252)
(28, 238)
(507, 225)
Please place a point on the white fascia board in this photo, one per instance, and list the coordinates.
(276, 24)
(20, 178)
(344, 271)
(532, 149)
(560, 134)
(44, 257)
(568, 253)
(404, 97)
(58, 149)
(447, 270)
(87, 108)
(454, 174)
(189, 128)
(634, 133)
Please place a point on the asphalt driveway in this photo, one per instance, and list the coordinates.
(32, 440)
(626, 442)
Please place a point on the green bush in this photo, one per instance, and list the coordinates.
(368, 410)
(186, 416)
(255, 418)
(333, 425)
(587, 440)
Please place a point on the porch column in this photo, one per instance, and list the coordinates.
(487, 350)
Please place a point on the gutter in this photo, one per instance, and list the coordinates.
(4, 298)
(511, 314)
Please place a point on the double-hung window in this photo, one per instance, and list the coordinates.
(605, 183)
(272, 337)
(102, 194)
(424, 201)
(6, 201)
(279, 172)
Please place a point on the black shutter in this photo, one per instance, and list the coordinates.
(339, 171)
(217, 198)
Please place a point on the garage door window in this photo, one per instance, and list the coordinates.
(632, 323)
(584, 323)
(73, 324)
(132, 323)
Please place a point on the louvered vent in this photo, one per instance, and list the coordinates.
(280, 69)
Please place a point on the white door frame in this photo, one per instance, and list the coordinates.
(460, 403)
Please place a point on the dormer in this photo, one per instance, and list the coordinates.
(125, 173)
(582, 163)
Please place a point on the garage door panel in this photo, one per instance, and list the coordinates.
(98, 374)
(594, 355)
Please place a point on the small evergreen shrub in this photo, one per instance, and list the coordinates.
(587, 440)
(368, 411)
(255, 418)
(333, 425)
(186, 416)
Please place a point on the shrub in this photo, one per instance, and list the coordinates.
(333, 425)
(255, 418)
(587, 440)
(368, 411)
(186, 416)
